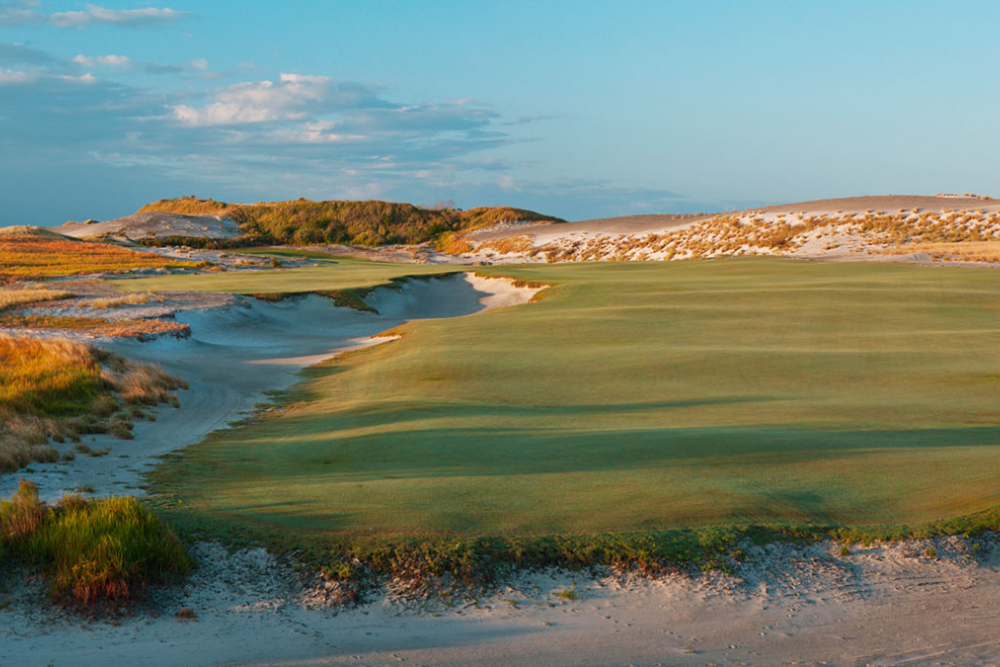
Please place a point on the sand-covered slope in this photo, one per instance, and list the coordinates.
(887, 228)
(155, 225)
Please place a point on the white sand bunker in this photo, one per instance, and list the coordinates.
(237, 352)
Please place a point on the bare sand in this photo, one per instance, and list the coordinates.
(239, 349)
(633, 225)
(881, 605)
(154, 225)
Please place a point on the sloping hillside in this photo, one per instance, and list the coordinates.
(155, 225)
(303, 222)
(893, 227)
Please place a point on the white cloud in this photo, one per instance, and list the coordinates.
(259, 101)
(108, 60)
(129, 18)
(8, 76)
(26, 11)
(18, 13)
(199, 63)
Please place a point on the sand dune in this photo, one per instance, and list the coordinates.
(155, 225)
(874, 228)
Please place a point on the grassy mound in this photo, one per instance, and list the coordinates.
(303, 222)
(636, 399)
(52, 389)
(96, 554)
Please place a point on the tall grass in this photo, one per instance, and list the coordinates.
(37, 253)
(138, 298)
(57, 389)
(95, 554)
(11, 298)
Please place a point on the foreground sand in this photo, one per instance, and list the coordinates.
(883, 605)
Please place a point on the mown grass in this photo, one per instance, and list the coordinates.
(59, 390)
(641, 412)
(97, 555)
(341, 274)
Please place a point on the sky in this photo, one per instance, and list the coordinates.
(576, 109)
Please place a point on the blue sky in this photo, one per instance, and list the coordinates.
(579, 109)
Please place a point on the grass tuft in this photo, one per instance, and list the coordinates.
(96, 554)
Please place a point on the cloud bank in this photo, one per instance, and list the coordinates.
(20, 13)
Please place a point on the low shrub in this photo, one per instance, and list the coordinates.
(98, 554)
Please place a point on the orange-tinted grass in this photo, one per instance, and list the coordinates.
(40, 256)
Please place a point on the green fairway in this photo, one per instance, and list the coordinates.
(337, 273)
(632, 397)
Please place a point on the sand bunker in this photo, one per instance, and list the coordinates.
(239, 351)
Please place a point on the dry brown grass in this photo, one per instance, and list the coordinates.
(28, 252)
(453, 244)
(135, 299)
(132, 328)
(12, 298)
(510, 245)
(746, 234)
(964, 251)
(59, 389)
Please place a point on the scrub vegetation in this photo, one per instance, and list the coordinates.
(370, 223)
(59, 390)
(754, 233)
(16, 298)
(640, 414)
(30, 252)
(97, 555)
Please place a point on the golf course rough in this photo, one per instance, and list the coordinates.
(633, 397)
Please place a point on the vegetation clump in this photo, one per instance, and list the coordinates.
(96, 555)
(58, 390)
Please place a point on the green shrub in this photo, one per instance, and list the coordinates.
(95, 554)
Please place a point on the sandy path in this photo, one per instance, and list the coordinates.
(236, 353)
(883, 605)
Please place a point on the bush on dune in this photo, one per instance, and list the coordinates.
(95, 554)
(304, 222)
